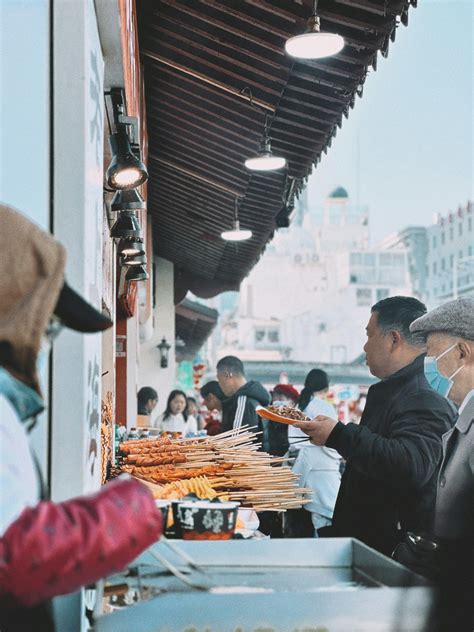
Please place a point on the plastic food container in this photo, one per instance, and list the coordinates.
(204, 520)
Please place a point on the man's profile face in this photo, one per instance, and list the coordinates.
(377, 348)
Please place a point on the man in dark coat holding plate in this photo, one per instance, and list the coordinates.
(393, 456)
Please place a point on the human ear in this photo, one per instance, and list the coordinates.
(396, 337)
(465, 350)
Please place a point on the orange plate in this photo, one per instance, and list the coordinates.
(268, 414)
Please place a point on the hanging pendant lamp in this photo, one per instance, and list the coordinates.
(236, 233)
(265, 160)
(314, 44)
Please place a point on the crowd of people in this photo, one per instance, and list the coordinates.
(401, 480)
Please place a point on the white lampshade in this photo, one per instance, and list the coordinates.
(237, 233)
(314, 45)
(265, 162)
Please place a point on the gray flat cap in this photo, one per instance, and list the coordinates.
(455, 318)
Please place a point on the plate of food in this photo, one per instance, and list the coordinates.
(281, 414)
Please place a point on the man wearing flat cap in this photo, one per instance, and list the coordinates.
(449, 369)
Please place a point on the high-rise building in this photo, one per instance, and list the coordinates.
(450, 269)
(413, 239)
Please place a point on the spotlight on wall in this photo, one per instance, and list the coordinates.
(137, 273)
(126, 170)
(134, 260)
(131, 247)
(127, 200)
(126, 226)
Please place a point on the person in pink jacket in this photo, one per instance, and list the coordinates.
(46, 548)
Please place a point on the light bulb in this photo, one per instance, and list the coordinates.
(127, 177)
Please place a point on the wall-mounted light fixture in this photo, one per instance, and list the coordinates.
(137, 273)
(164, 349)
(133, 260)
(126, 169)
(126, 226)
(131, 247)
(314, 44)
(127, 200)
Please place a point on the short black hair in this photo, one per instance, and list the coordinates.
(231, 364)
(397, 313)
(146, 393)
(212, 388)
(191, 399)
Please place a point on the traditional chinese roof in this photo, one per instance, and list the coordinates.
(202, 61)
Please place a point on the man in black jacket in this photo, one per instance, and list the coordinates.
(389, 485)
(242, 396)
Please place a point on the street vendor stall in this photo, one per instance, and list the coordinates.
(228, 467)
(270, 585)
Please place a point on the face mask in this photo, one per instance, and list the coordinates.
(43, 354)
(436, 380)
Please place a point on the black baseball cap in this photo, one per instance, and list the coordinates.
(76, 313)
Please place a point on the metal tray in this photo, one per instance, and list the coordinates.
(305, 585)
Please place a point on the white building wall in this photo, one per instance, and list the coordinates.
(78, 215)
(451, 256)
(150, 372)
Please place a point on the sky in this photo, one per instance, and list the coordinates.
(413, 128)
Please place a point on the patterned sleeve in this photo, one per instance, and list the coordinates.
(55, 548)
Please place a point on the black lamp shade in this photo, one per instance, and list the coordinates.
(164, 349)
(136, 260)
(131, 247)
(126, 226)
(127, 200)
(137, 273)
(126, 170)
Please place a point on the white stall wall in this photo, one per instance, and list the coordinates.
(78, 215)
(150, 373)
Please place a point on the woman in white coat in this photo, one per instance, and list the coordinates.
(318, 467)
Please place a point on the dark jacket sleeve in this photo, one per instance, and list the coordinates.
(411, 453)
(55, 548)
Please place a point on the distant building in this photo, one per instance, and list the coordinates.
(413, 239)
(450, 270)
(309, 297)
